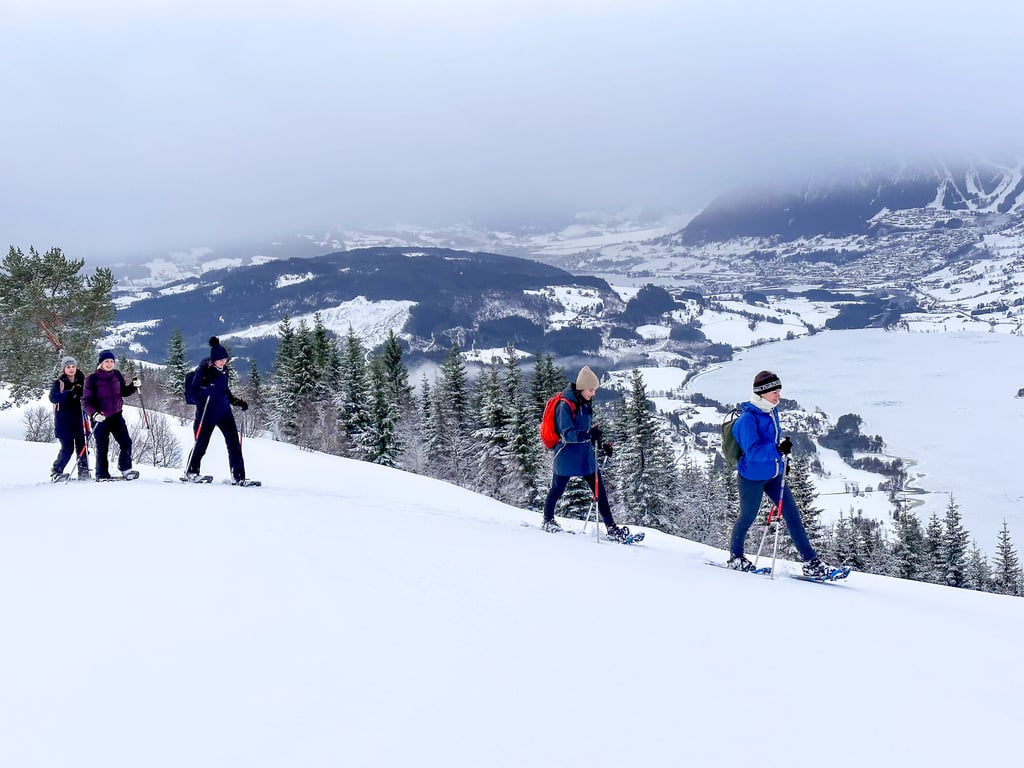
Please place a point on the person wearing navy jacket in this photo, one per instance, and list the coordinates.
(761, 469)
(103, 399)
(213, 401)
(575, 452)
(68, 422)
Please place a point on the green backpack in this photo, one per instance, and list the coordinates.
(730, 448)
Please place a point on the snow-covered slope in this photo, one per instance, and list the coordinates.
(348, 614)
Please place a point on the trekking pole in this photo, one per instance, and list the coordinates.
(593, 504)
(195, 437)
(774, 515)
(142, 402)
(87, 431)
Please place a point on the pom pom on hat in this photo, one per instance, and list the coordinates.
(64, 363)
(586, 379)
(217, 352)
(765, 382)
(106, 354)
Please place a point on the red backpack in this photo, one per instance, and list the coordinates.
(548, 433)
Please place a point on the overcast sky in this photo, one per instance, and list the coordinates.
(149, 124)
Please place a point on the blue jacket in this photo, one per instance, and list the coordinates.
(758, 434)
(574, 454)
(66, 396)
(210, 388)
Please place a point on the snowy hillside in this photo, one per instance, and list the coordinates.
(347, 614)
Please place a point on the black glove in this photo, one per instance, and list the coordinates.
(242, 404)
(607, 448)
(595, 435)
(785, 446)
(76, 391)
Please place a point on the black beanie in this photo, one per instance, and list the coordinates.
(766, 382)
(217, 352)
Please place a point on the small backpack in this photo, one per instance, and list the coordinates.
(548, 432)
(191, 388)
(730, 448)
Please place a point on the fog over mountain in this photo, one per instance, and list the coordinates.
(146, 128)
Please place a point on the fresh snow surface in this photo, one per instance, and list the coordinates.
(944, 401)
(347, 614)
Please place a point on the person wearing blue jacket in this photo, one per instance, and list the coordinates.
(575, 452)
(68, 422)
(213, 410)
(761, 469)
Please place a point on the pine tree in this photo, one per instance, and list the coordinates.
(909, 549)
(953, 550)
(284, 393)
(178, 366)
(353, 399)
(494, 476)
(524, 445)
(934, 564)
(47, 309)
(547, 380)
(1007, 577)
(577, 502)
(383, 446)
(450, 445)
(648, 482)
(805, 494)
(977, 574)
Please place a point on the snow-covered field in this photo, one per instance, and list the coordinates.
(944, 401)
(351, 615)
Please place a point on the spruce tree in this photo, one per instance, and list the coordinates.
(523, 441)
(648, 482)
(909, 549)
(353, 399)
(1007, 577)
(977, 573)
(383, 445)
(934, 569)
(450, 444)
(48, 309)
(178, 366)
(953, 549)
(284, 397)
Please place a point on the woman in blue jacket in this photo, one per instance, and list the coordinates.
(761, 470)
(574, 454)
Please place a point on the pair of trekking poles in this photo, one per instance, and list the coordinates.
(772, 521)
(593, 502)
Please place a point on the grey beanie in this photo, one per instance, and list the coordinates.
(65, 362)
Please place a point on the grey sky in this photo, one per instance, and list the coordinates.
(155, 124)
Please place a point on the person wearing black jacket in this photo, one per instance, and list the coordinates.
(213, 402)
(68, 424)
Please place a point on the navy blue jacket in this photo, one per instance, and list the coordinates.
(758, 434)
(210, 389)
(66, 396)
(574, 454)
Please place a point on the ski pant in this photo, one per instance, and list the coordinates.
(751, 492)
(558, 485)
(70, 446)
(204, 432)
(114, 426)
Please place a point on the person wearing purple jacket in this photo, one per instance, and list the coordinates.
(105, 389)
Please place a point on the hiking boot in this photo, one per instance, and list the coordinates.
(816, 569)
(84, 473)
(551, 526)
(739, 563)
(617, 533)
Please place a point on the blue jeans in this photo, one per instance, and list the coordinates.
(750, 502)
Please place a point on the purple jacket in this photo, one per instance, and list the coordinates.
(104, 391)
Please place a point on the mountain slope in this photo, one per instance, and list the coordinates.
(347, 614)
